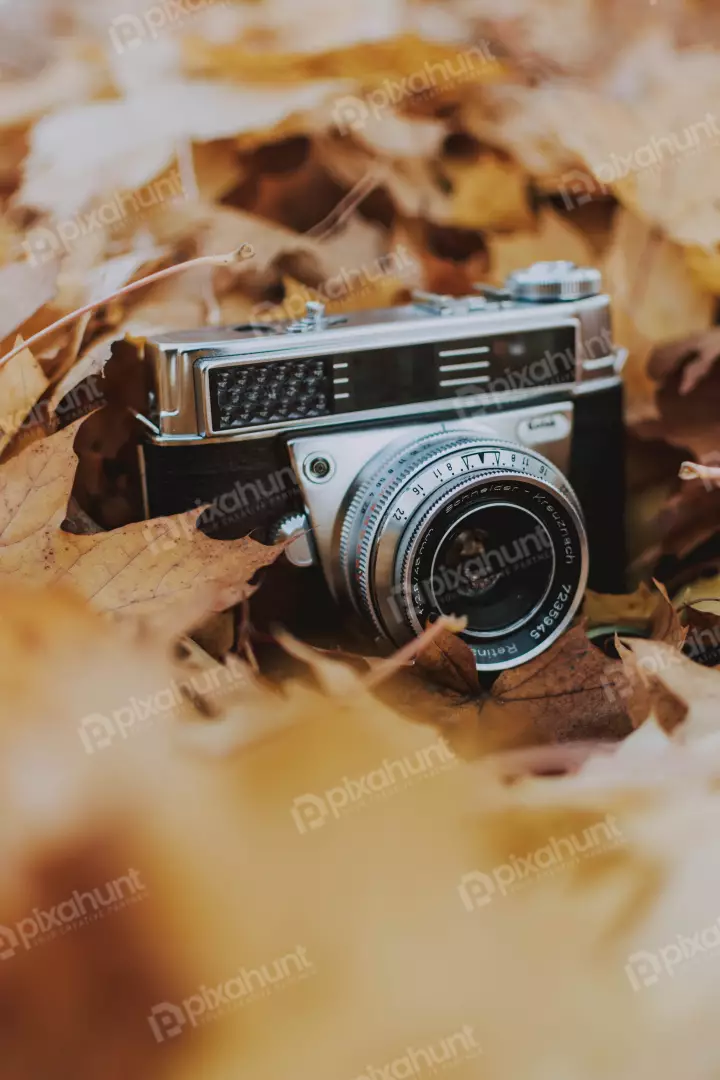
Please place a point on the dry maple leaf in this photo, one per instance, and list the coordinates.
(156, 568)
(569, 692)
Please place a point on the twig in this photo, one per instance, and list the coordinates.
(239, 255)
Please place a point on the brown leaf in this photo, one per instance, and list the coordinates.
(665, 625)
(448, 660)
(632, 610)
(144, 569)
(703, 639)
(572, 691)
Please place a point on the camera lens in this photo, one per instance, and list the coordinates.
(495, 567)
(456, 524)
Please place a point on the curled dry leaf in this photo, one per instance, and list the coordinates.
(162, 569)
(684, 695)
(448, 660)
(665, 624)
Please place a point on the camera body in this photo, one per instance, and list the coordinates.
(456, 455)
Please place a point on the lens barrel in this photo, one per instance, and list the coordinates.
(462, 524)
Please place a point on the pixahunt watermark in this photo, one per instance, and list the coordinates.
(701, 645)
(240, 503)
(551, 369)
(578, 187)
(130, 31)
(352, 113)
(209, 1003)
(646, 968)
(398, 263)
(84, 397)
(427, 1060)
(45, 243)
(353, 794)
(76, 911)
(99, 732)
(478, 888)
(477, 572)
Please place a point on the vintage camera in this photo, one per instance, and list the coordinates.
(458, 456)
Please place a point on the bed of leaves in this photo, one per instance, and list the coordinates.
(362, 150)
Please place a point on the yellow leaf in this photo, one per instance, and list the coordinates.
(150, 568)
(22, 384)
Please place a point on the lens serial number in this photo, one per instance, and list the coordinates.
(550, 620)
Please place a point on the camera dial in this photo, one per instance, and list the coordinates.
(549, 282)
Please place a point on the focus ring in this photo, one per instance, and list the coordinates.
(360, 565)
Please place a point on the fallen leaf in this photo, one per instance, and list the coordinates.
(69, 79)
(448, 660)
(22, 384)
(123, 145)
(24, 289)
(436, 67)
(695, 689)
(653, 299)
(703, 639)
(571, 691)
(634, 610)
(489, 191)
(665, 624)
(146, 569)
